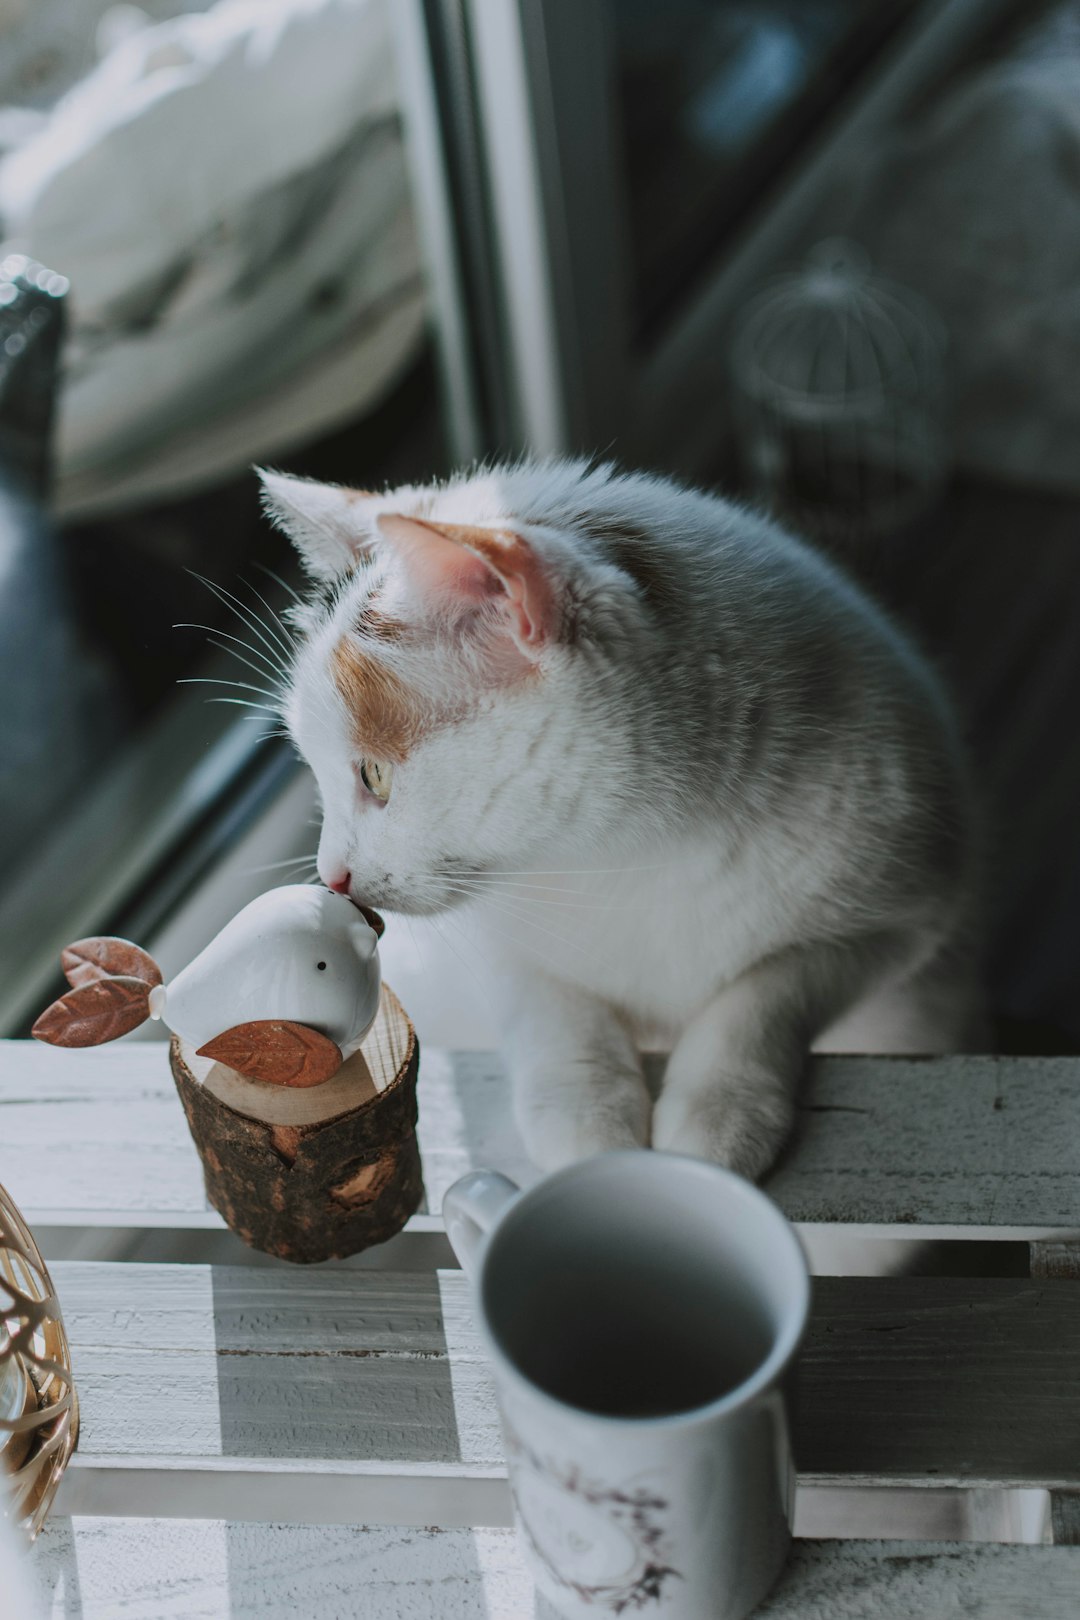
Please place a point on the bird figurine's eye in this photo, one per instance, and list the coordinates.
(321, 966)
(377, 776)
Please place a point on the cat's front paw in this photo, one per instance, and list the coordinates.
(561, 1132)
(743, 1133)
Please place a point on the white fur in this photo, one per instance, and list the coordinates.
(722, 808)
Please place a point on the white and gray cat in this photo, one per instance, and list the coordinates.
(692, 784)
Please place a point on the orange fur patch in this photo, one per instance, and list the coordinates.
(382, 627)
(388, 720)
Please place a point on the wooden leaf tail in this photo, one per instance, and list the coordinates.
(103, 957)
(95, 1012)
(277, 1051)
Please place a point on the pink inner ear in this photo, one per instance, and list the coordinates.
(476, 564)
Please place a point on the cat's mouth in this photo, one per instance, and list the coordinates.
(422, 900)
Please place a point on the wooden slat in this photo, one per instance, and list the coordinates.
(965, 1145)
(1065, 1518)
(206, 1391)
(1055, 1260)
(100, 1569)
(960, 1146)
(941, 1380)
(97, 1569)
(851, 1580)
(97, 1136)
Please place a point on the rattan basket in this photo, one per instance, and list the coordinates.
(39, 1409)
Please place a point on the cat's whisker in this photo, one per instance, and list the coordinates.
(277, 669)
(258, 710)
(454, 921)
(581, 871)
(270, 608)
(284, 583)
(564, 902)
(531, 922)
(276, 866)
(272, 698)
(484, 991)
(254, 668)
(417, 947)
(247, 615)
(264, 669)
(279, 633)
(277, 625)
(560, 893)
(546, 960)
(484, 882)
(517, 914)
(224, 680)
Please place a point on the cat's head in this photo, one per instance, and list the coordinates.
(459, 691)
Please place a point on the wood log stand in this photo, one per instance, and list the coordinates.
(316, 1173)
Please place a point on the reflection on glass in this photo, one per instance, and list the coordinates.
(715, 98)
(222, 186)
(838, 405)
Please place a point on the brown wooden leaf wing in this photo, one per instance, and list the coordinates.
(103, 957)
(95, 1012)
(277, 1051)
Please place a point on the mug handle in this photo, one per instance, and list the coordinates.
(471, 1208)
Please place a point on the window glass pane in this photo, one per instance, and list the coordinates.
(715, 98)
(223, 188)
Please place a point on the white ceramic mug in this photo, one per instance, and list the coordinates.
(643, 1312)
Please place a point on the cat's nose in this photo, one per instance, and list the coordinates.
(340, 882)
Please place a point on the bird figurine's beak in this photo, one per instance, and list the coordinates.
(373, 920)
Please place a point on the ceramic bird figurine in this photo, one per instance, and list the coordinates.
(283, 993)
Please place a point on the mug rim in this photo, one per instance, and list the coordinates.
(768, 1371)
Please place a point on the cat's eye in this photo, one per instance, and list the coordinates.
(376, 776)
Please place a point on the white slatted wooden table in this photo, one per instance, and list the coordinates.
(264, 1439)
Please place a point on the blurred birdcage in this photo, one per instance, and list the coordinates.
(39, 1410)
(839, 397)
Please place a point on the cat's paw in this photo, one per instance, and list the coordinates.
(560, 1132)
(743, 1133)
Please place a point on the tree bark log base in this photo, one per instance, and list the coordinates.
(316, 1173)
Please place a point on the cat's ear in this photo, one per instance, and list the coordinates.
(473, 565)
(324, 522)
